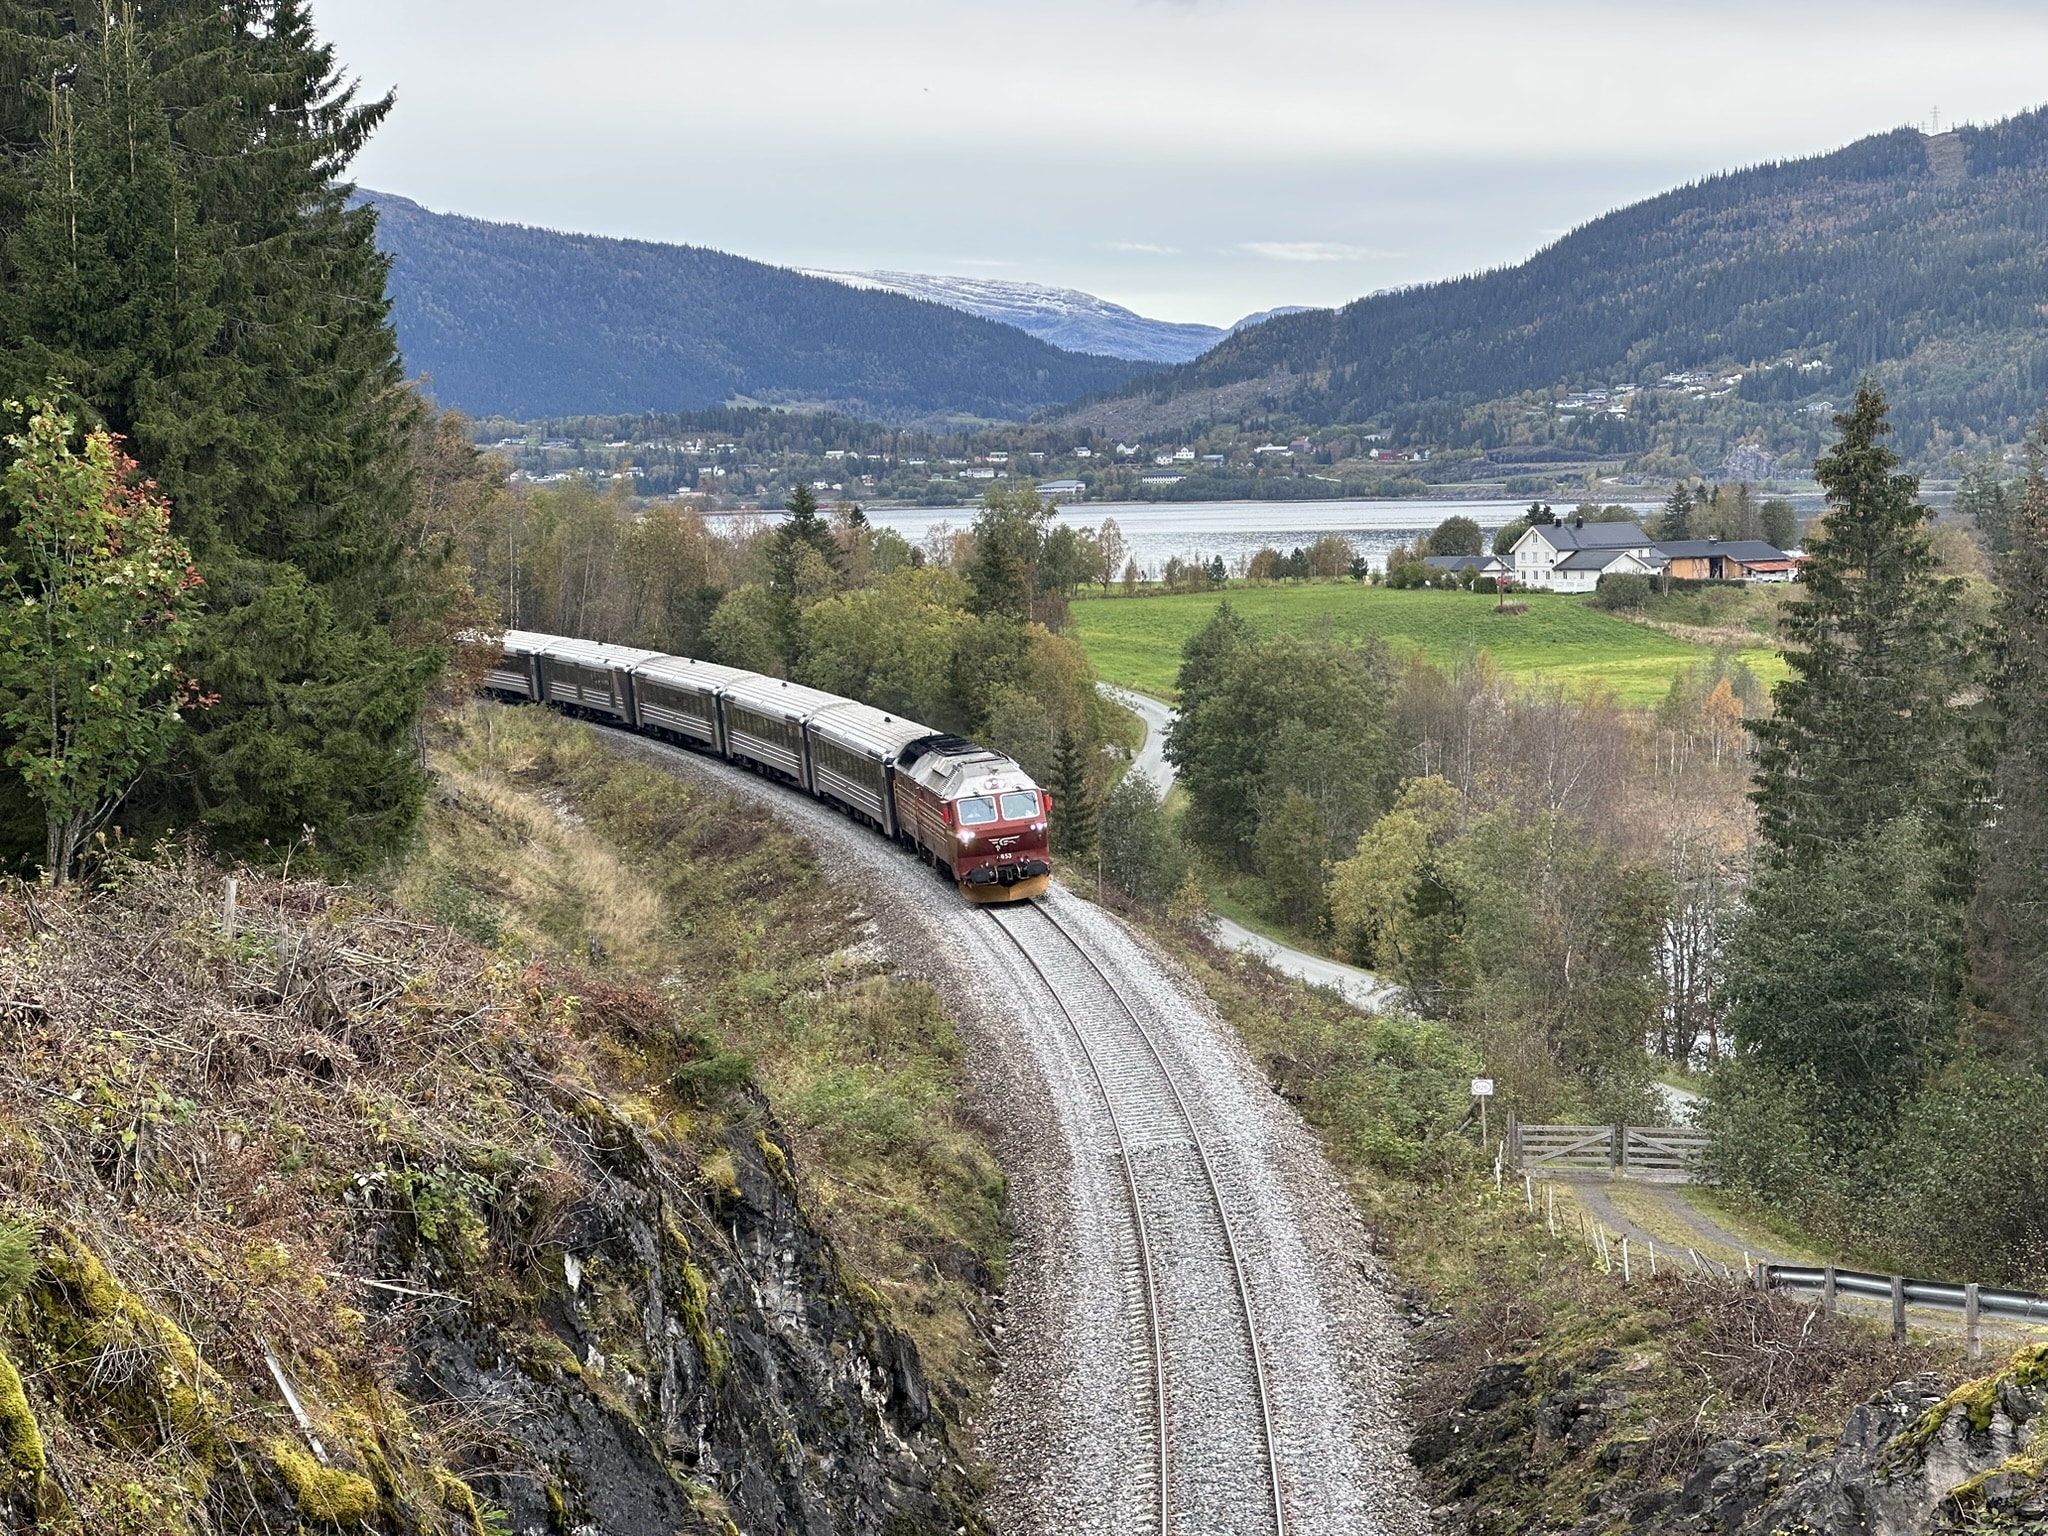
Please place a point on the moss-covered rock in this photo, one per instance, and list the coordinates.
(21, 1441)
(330, 1494)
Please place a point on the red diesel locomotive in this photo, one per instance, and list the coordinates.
(973, 814)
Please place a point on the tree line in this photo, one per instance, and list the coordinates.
(193, 320)
(1830, 898)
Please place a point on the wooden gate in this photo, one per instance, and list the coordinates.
(1564, 1146)
(1663, 1151)
(1666, 1152)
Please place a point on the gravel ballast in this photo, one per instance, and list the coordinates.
(1071, 1434)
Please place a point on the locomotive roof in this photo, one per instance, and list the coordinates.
(687, 669)
(869, 731)
(951, 767)
(773, 696)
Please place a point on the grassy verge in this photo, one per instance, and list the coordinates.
(545, 839)
(1137, 642)
(1546, 1390)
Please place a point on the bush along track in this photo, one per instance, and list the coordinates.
(1549, 1396)
(339, 1221)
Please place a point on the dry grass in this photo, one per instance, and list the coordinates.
(545, 837)
(345, 1120)
(199, 1125)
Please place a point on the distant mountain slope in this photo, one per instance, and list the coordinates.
(1066, 317)
(1927, 257)
(522, 322)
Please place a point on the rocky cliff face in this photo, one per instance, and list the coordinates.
(1915, 1460)
(338, 1223)
(695, 1358)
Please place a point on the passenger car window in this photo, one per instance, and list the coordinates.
(982, 808)
(1020, 805)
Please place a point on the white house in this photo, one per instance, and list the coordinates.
(1581, 570)
(1572, 557)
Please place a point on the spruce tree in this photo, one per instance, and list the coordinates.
(1872, 725)
(2009, 915)
(804, 532)
(1677, 522)
(1844, 972)
(1073, 812)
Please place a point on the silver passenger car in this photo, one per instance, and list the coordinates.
(764, 723)
(678, 697)
(588, 676)
(517, 676)
(853, 748)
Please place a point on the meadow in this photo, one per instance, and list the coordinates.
(1136, 641)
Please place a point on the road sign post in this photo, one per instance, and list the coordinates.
(1482, 1090)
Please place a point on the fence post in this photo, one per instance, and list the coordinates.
(227, 906)
(1898, 1309)
(1827, 1289)
(1653, 1258)
(1617, 1148)
(1625, 1276)
(1973, 1339)
(1529, 1191)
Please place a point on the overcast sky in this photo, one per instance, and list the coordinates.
(1193, 159)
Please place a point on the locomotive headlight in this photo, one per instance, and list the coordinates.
(967, 834)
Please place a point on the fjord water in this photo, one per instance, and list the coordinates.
(1155, 531)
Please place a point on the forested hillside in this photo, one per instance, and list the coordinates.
(1924, 258)
(507, 320)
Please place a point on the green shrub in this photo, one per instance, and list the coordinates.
(1141, 853)
(1621, 592)
(1758, 1143)
(1960, 1191)
(709, 1080)
(17, 1257)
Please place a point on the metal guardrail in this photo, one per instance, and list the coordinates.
(1974, 1302)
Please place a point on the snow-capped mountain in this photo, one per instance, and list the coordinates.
(1069, 319)
(1268, 314)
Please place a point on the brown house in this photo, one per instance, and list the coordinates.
(1726, 560)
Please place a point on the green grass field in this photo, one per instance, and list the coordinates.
(1137, 641)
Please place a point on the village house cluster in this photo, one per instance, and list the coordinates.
(1573, 556)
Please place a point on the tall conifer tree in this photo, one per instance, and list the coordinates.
(2009, 916)
(1873, 724)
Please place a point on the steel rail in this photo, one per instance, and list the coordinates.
(1244, 1294)
(1153, 1311)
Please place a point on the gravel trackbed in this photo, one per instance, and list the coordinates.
(1054, 1005)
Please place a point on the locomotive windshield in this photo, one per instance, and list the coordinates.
(973, 813)
(1020, 805)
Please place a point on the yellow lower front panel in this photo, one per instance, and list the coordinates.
(1023, 890)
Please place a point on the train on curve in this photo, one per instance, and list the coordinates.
(973, 814)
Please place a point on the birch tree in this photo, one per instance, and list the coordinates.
(100, 594)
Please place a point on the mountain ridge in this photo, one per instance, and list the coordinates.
(1925, 258)
(511, 320)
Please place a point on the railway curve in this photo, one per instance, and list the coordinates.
(1196, 1342)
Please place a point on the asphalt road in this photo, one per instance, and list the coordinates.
(1361, 988)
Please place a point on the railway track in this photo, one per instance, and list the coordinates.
(1204, 1383)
